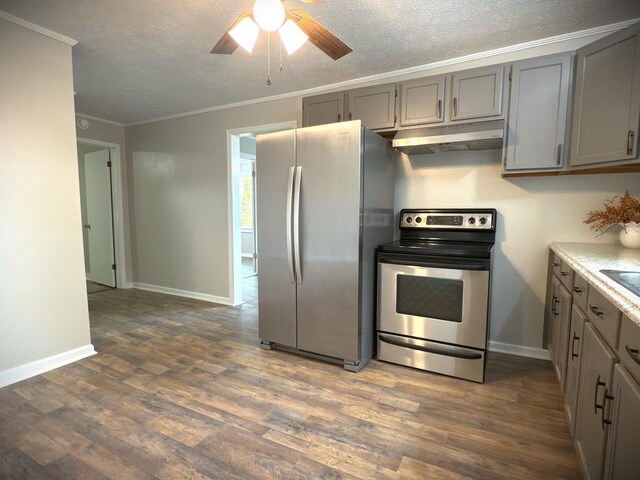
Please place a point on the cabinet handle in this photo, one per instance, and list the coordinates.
(630, 142)
(554, 303)
(595, 310)
(634, 353)
(564, 274)
(455, 106)
(556, 264)
(350, 115)
(595, 395)
(573, 344)
(559, 154)
(339, 117)
(606, 397)
(439, 108)
(578, 290)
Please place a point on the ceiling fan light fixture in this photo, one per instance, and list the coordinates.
(269, 14)
(292, 36)
(245, 33)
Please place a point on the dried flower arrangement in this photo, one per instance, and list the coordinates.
(617, 210)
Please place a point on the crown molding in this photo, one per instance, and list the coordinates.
(98, 119)
(38, 28)
(379, 78)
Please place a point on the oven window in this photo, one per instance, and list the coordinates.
(439, 298)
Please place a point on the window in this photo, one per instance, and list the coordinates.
(246, 195)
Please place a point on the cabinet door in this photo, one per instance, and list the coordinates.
(537, 117)
(564, 322)
(322, 109)
(554, 319)
(622, 459)
(596, 370)
(574, 355)
(477, 93)
(607, 100)
(422, 101)
(375, 106)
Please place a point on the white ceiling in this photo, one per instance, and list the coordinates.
(143, 59)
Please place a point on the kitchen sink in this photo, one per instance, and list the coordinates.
(629, 280)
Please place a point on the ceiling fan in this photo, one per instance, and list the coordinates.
(295, 27)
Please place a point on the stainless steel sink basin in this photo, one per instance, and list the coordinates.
(629, 280)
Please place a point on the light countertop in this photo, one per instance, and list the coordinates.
(587, 259)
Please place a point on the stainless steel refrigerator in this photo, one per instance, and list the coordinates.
(324, 203)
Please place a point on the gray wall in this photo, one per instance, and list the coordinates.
(43, 298)
(180, 204)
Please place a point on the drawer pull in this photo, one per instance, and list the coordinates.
(595, 310)
(634, 353)
(603, 421)
(556, 264)
(573, 343)
(578, 290)
(596, 406)
(564, 274)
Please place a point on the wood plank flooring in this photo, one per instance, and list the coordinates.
(180, 390)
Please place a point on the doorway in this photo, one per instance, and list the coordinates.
(242, 182)
(100, 197)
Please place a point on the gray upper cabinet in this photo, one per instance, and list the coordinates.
(422, 101)
(596, 371)
(537, 117)
(622, 459)
(477, 93)
(607, 100)
(375, 106)
(322, 109)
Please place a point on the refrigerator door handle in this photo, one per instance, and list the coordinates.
(296, 224)
(289, 220)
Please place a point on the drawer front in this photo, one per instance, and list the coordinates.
(556, 263)
(580, 292)
(605, 316)
(629, 351)
(566, 275)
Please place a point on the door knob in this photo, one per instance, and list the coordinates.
(87, 226)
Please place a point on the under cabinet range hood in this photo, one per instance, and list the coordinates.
(469, 136)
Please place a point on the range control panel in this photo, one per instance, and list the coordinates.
(457, 220)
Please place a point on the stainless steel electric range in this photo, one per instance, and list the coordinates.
(434, 291)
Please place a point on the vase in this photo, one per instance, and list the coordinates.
(630, 235)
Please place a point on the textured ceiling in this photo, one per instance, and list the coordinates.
(142, 59)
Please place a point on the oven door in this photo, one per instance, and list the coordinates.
(434, 302)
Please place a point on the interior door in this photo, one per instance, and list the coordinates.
(275, 163)
(97, 172)
(330, 198)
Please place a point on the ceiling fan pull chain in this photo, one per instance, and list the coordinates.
(280, 45)
(268, 58)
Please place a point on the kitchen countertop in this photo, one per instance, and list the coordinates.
(587, 259)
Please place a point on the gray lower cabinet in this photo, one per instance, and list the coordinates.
(622, 461)
(560, 338)
(422, 101)
(596, 374)
(477, 93)
(374, 106)
(322, 109)
(606, 109)
(537, 117)
(574, 355)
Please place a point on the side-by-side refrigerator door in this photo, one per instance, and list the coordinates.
(329, 157)
(275, 171)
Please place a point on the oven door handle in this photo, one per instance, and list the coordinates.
(449, 352)
(413, 261)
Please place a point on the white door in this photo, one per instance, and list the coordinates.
(99, 216)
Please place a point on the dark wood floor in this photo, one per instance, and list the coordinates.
(180, 390)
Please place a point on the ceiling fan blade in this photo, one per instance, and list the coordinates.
(309, 1)
(319, 35)
(227, 45)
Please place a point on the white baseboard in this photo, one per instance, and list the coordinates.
(31, 369)
(519, 350)
(128, 285)
(182, 293)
